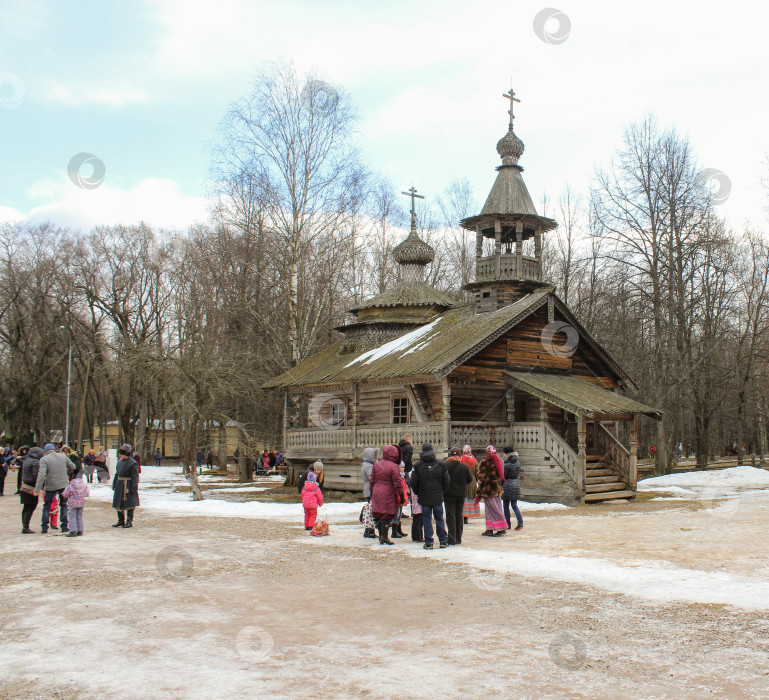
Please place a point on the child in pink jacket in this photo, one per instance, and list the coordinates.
(312, 499)
(76, 493)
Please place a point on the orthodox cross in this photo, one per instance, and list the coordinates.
(413, 194)
(511, 96)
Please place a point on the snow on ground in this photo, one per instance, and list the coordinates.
(728, 479)
(237, 489)
(161, 496)
(654, 581)
(619, 570)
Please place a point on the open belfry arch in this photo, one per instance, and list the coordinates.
(513, 367)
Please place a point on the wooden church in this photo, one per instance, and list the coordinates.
(514, 367)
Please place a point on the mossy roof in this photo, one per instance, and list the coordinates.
(435, 348)
(408, 294)
(578, 396)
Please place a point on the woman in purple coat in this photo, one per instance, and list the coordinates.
(386, 491)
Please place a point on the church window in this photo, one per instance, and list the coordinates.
(338, 411)
(400, 410)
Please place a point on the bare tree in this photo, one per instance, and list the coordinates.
(294, 137)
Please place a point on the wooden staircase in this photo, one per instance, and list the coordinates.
(602, 480)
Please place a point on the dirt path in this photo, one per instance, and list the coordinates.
(253, 607)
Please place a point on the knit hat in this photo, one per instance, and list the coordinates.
(507, 450)
(311, 476)
(91, 452)
(455, 452)
(427, 447)
(48, 447)
(318, 465)
(125, 447)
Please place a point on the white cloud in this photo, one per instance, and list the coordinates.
(157, 202)
(10, 214)
(82, 93)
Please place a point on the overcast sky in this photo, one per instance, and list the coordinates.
(143, 87)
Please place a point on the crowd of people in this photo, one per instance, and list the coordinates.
(443, 494)
(447, 492)
(60, 477)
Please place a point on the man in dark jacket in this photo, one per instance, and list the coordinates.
(430, 481)
(459, 478)
(511, 492)
(407, 451)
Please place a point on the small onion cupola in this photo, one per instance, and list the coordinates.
(408, 305)
(413, 254)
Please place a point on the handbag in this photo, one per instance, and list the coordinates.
(26, 488)
(366, 518)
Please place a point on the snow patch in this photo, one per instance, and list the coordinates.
(733, 477)
(401, 343)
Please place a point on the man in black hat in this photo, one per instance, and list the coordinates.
(125, 487)
(430, 480)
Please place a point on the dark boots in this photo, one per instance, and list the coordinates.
(130, 519)
(369, 532)
(120, 519)
(26, 516)
(417, 534)
(383, 526)
(396, 531)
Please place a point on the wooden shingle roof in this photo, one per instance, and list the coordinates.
(578, 396)
(408, 294)
(435, 348)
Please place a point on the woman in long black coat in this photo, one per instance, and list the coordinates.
(511, 493)
(125, 486)
(29, 469)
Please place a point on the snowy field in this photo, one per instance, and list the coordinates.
(665, 597)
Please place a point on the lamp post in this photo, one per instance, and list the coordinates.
(69, 387)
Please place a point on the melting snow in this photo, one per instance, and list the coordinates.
(734, 477)
(396, 345)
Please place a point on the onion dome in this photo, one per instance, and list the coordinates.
(510, 148)
(413, 251)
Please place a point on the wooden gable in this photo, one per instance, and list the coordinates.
(531, 346)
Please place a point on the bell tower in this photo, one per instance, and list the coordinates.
(508, 218)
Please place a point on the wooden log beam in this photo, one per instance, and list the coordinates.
(581, 453)
(446, 392)
(634, 451)
(415, 403)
